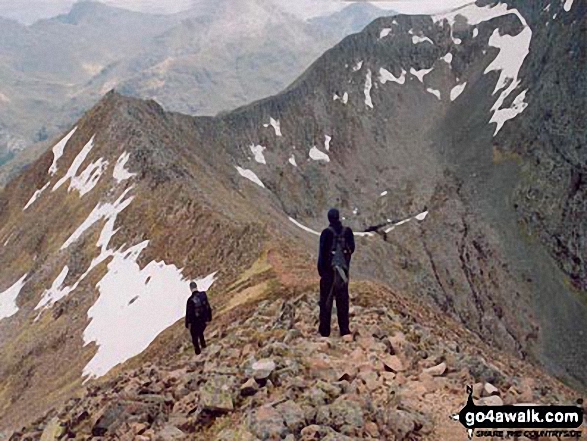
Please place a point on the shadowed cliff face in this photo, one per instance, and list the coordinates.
(429, 126)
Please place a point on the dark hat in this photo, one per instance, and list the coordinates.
(333, 215)
(193, 286)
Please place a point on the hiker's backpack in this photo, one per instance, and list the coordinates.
(201, 307)
(340, 251)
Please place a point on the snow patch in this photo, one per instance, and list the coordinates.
(368, 86)
(76, 164)
(55, 293)
(258, 152)
(475, 32)
(568, 5)
(358, 66)
(344, 99)
(457, 41)
(513, 50)
(8, 305)
(318, 155)
(120, 172)
(385, 76)
(417, 40)
(108, 211)
(361, 234)
(384, 193)
(434, 92)
(130, 298)
(88, 179)
(420, 74)
(384, 33)
(448, 58)
(250, 175)
(500, 116)
(303, 227)
(292, 160)
(327, 142)
(276, 126)
(457, 90)
(36, 196)
(422, 216)
(58, 151)
(475, 14)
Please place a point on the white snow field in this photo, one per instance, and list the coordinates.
(120, 172)
(58, 151)
(36, 196)
(457, 90)
(368, 86)
(385, 76)
(420, 74)
(250, 175)
(318, 155)
(56, 292)
(513, 50)
(76, 164)
(257, 150)
(8, 305)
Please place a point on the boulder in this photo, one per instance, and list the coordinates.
(489, 389)
(436, 371)
(262, 369)
(53, 431)
(393, 363)
(109, 419)
(322, 433)
(293, 415)
(341, 413)
(240, 433)
(170, 433)
(477, 390)
(267, 424)
(216, 395)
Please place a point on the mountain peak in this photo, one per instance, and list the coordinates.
(89, 11)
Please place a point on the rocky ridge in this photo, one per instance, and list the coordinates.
(267, 375)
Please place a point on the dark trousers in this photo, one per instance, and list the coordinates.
(197, 333)
(328, 293)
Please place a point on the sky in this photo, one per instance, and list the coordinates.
(28, 11)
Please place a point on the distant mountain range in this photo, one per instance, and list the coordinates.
(216, 56)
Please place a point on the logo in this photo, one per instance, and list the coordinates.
(523, 420)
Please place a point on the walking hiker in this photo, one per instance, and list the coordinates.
(198, 313)
(337, 244)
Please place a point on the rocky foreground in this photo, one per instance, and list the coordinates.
(268, 375)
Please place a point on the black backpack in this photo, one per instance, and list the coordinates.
(201, 307)
(340, 251)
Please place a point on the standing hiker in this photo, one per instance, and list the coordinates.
(198, 313)
(337, 244)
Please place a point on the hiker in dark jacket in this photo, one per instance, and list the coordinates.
(198, 313)
(329, 290)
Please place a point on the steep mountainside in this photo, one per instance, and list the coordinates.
(430, 127)
(214, 57)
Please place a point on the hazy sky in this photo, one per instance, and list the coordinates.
(28, 11)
